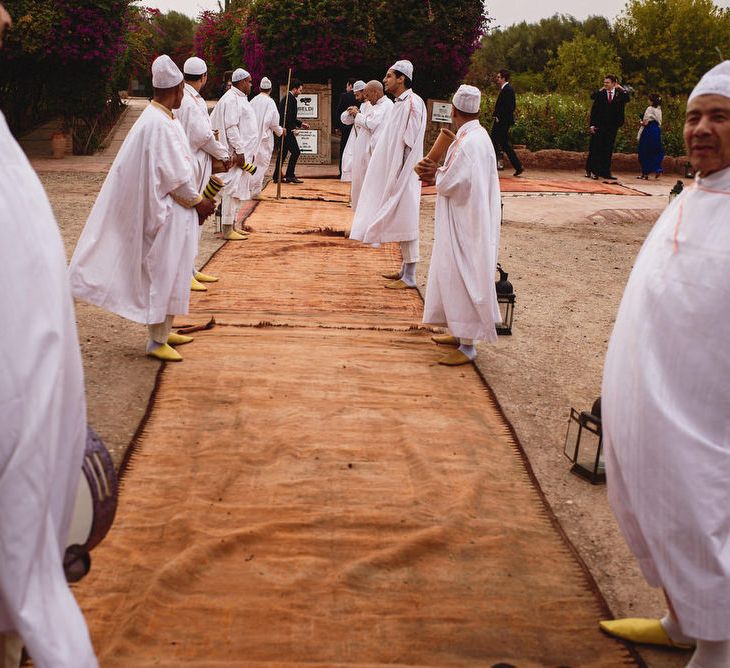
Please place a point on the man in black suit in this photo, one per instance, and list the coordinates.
(291, 122)
(607, 116)
(347, 100)
(504, 119)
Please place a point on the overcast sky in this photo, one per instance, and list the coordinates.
(504, 12)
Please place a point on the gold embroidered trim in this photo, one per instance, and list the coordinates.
(162, 107)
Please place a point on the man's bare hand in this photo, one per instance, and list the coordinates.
(283, 132)
(305, 126)
(239, 159)
(204, 208)
(592, 130)
(426, 170)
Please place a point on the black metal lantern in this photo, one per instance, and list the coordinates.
(506, 302)
(584, 444)
(689, 173)
(677, 188)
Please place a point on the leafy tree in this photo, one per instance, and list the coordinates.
(669, 44)
(582, 63)
(176, 32)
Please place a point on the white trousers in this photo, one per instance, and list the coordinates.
(161, 330)
(409, 251)
(229, 209)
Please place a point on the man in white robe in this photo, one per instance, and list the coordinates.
(347, 118)
(235, 120)
(368, 125)
(461, 293)
(42, 423)
(666, 398)
(195, 119)
(390, 200)
(267, 115)
(134, 255)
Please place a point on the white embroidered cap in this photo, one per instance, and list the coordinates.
(165, 74)
(358, 86)
(239, 75)
(714, 82)
(467, 99)
(404, 67)
(265, 83)
(195, 66)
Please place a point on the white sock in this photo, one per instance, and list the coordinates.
(469, 350)
(153, 345)
(375, 245)
(671, 626)
(711, 654)
(408, 273)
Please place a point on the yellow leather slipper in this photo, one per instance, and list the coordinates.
(205, 278)
(400, 284)
(393, 276)
(232, 235)
(165, 353)
(445, 340)
(196, 286)
(175, 339)
(640, 630)
(454, 358)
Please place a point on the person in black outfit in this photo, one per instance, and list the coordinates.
(504, 119)
(607, 116)
(291, 122)
(347, 100)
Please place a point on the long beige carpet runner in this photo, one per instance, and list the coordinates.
(311, 488)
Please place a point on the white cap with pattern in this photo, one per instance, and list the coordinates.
(239, 75)
(165, 74)
(714, 82)
(404, 67)
(265, 83)
(195, 66)
(467, 99)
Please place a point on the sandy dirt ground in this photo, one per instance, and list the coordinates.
(568, 258)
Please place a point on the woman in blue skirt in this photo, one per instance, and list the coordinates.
(651, 151)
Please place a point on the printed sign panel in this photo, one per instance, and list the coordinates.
(441, 112)
(307, 105)
(307, 140)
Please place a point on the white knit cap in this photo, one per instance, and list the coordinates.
(195, 66)
(239, 75)
(467, 99)
(404, 67)
(165, 74)
(265, 83)
(715, 82)
(358, 86)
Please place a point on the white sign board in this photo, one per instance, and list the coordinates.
(441, 112)
(307, 140)
(307, 105)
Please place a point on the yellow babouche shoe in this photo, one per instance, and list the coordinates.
(196, 286)
(640, 630)
(445, 340)
(232, 235)
(400, 284)
(205, 278)
(454, 358)
(393, 276)
(165, 353)
(175, 339)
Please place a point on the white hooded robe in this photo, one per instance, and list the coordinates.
(390, 200)
(666, 408)
(134, 255)
(42, 421)
(267, 116)
(461, 293)
(368, 124)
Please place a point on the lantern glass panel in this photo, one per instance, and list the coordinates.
(584, 446)
(572, 437)
(506, 309)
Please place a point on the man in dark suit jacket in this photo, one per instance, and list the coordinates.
(291, 122)
(347, 100)
(607, 116)
(504, 119)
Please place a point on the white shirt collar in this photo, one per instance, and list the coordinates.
(469, 125)
(191, 90)
(719, 180)
(503, 85)
(404, 94)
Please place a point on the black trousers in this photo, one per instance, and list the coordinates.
(500, 139)
(290, 146)
(600, 152)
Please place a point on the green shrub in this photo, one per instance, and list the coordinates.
(558, 121)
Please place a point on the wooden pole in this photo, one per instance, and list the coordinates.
(281, 145)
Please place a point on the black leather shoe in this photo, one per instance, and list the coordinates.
(294, 180)
(611, 177)
(518, 171)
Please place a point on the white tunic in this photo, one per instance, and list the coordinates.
(461, 291)
(195, 119)
(368, 124)
(666, 408)
(134, 255)
(390, 199)
(42, 421)
(267, 116)
(347, 154)
(235, 119)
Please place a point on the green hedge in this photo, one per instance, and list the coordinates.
(556, 121)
